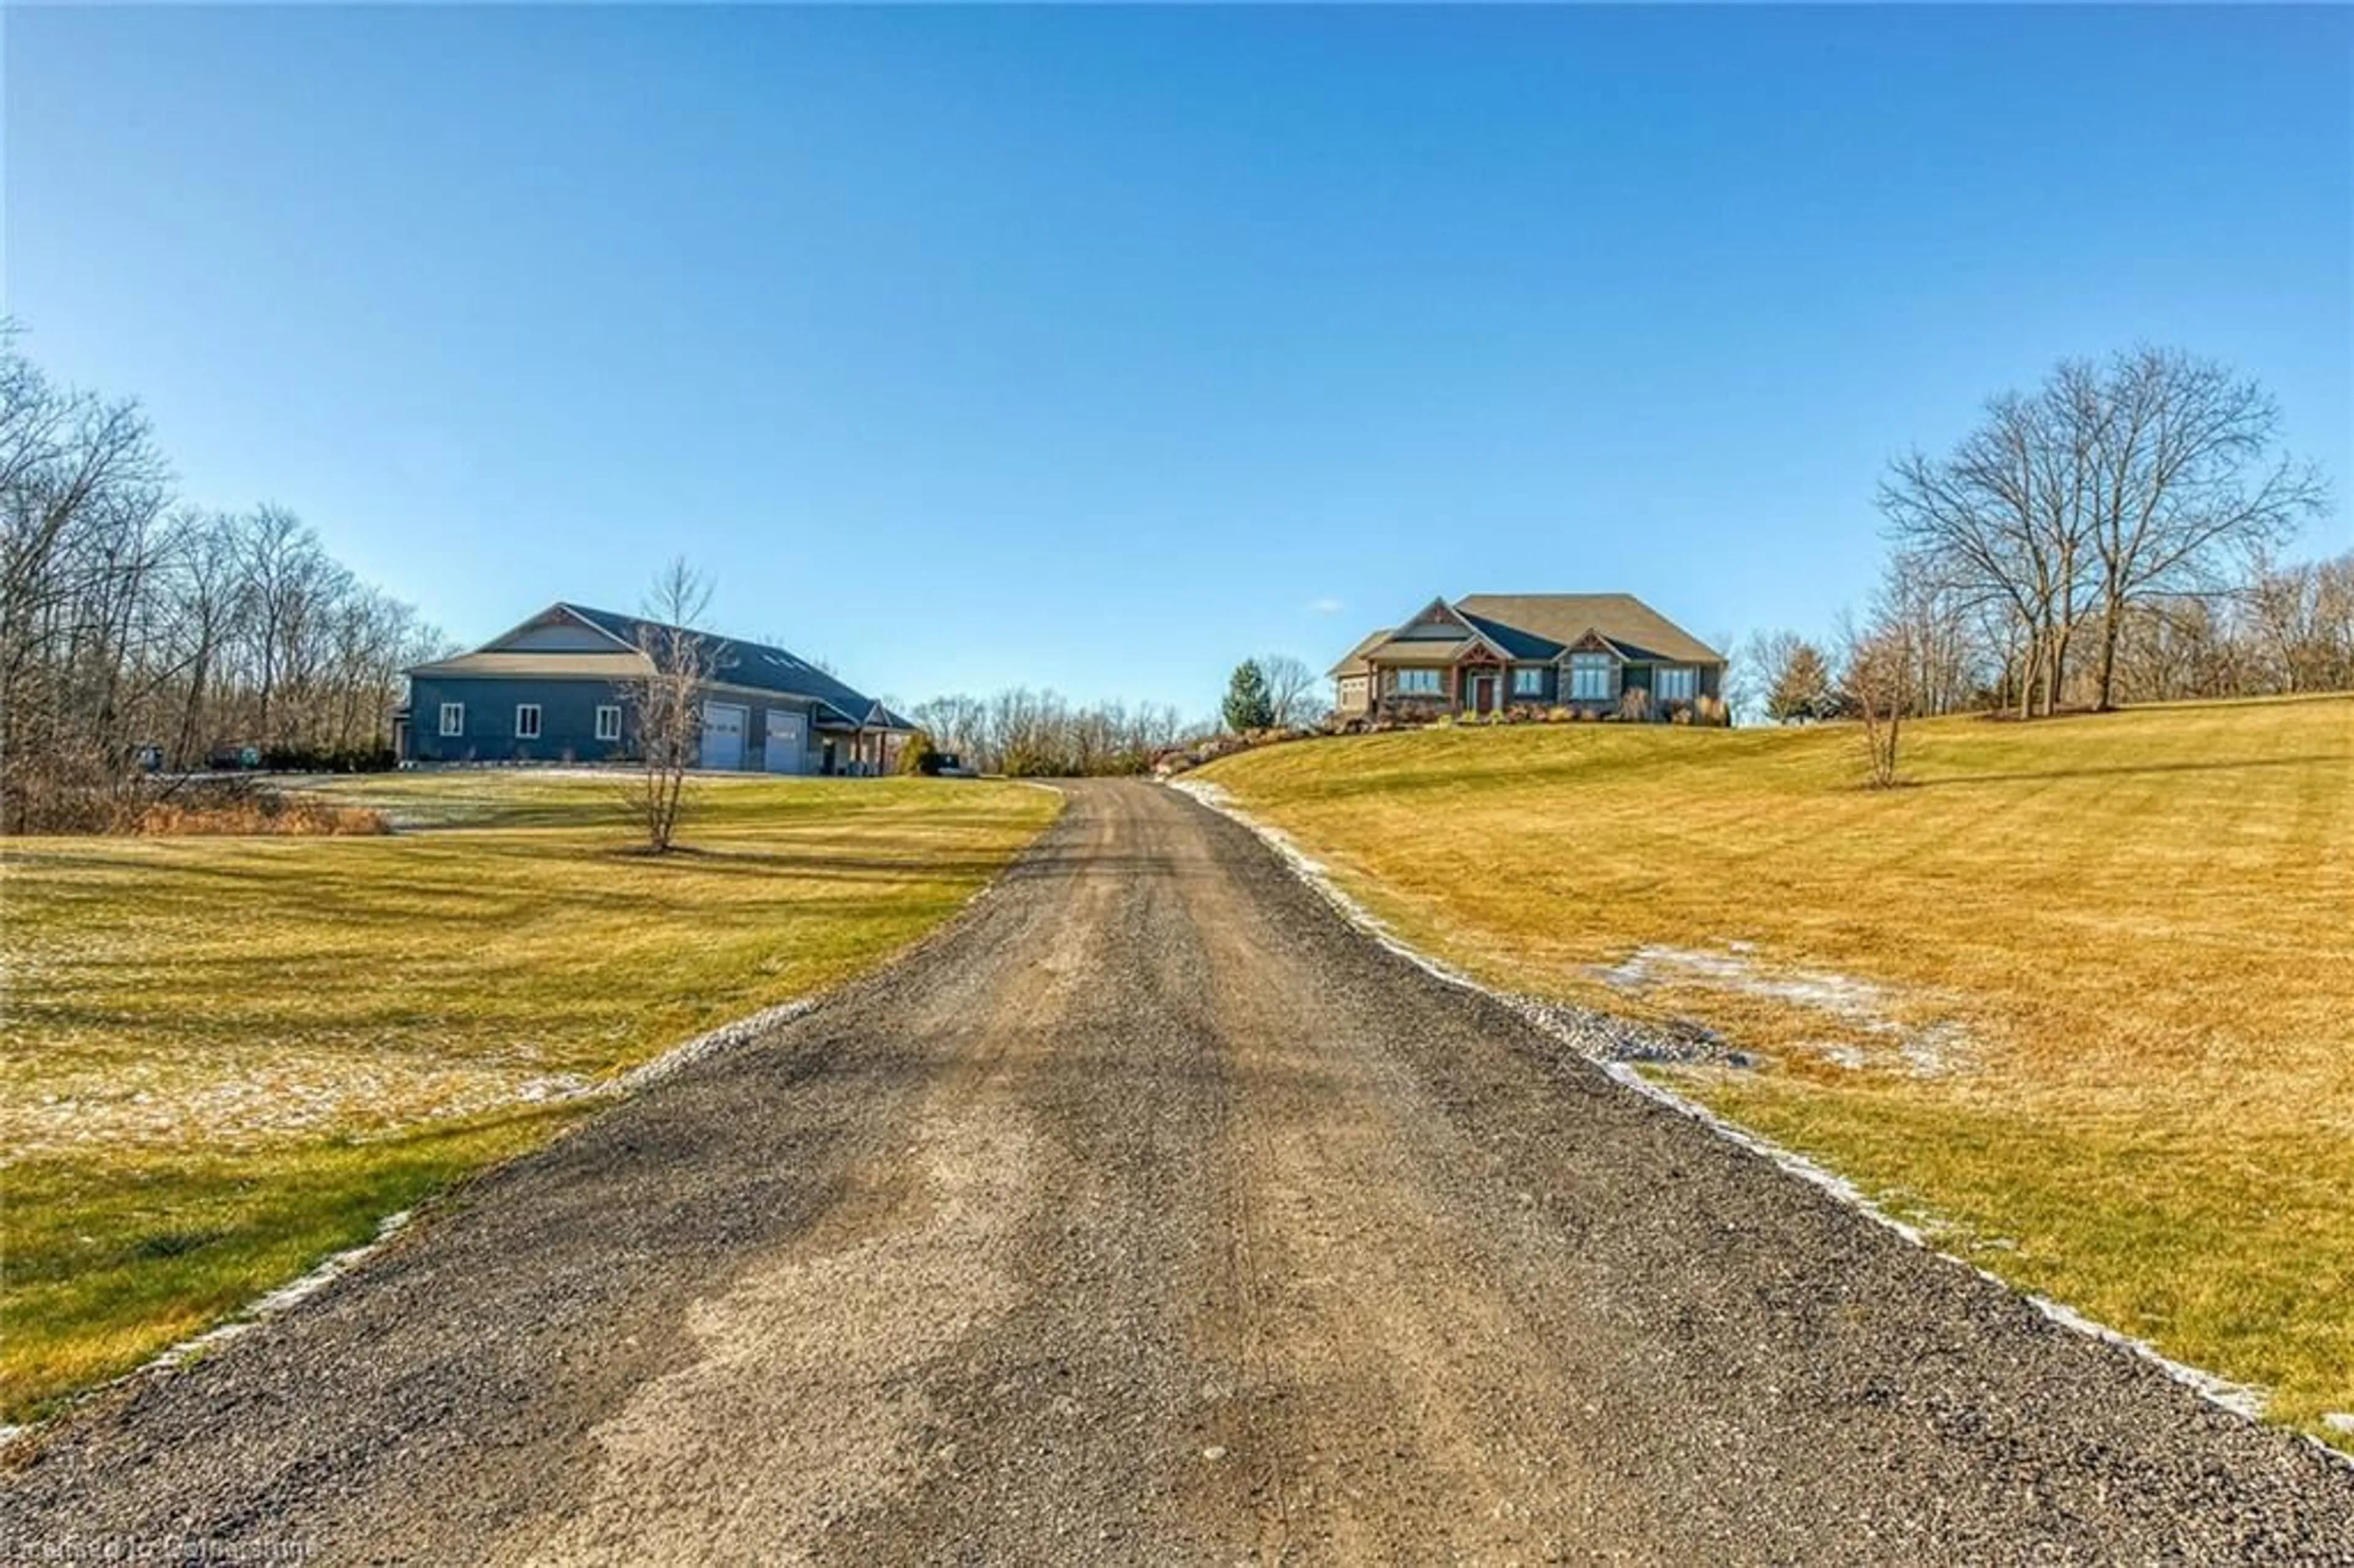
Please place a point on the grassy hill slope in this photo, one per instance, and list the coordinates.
(2081, 996)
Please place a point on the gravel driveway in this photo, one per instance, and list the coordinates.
(1150, 1214)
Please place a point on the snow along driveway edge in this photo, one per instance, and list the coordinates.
(2241, 1399)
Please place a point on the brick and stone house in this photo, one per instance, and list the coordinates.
(561, 688)
(1599, 653)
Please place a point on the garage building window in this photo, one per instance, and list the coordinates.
(453, 718)
(609, 722)
(527, 721)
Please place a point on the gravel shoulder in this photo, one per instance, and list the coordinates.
(1150, 1212)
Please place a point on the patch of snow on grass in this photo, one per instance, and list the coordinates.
(257, 1096)
(1927, 1050)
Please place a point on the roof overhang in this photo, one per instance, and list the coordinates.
(534, 666)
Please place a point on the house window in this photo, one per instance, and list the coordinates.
(453, 718)
(1589, 677)
(608, 723)
(1528, 681)
(527, 721)
(1416, 683)
(1675, 683)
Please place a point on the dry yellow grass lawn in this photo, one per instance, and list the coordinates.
(2082, 996)
(223, 1058)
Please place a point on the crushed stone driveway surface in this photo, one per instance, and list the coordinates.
(1149, 1213)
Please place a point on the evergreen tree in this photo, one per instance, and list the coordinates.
(1248, 706)
(1801, 688)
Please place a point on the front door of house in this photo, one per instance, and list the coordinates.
(1483, 693)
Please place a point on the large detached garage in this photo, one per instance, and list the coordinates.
(563, 688)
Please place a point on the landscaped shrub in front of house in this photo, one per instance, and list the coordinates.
(329, 758)
(1392, 713)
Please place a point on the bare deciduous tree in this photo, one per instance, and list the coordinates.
(1292, 688)
(2290, 630)
(1026, 733)
(82, 488)
(2000, 526)
(131, 631)
(2187, 481)
(666, 702)
(2110, 490)
(1879, 661)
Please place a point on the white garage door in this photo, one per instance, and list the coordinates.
(786, 743)
(723, 735)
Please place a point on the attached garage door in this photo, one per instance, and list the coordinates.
(723, 735)
(786, 743)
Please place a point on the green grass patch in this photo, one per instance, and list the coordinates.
(2091, 973)
(111, 1258)
(2102, 1218)
(223, 1058)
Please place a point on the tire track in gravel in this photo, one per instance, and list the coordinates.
(1150, 1213)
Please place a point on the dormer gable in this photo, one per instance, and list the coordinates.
(1592, 642)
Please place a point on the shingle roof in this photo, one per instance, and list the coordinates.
(743, 663)
(1353, 663)
(1513, 639)
(1420, 650)
(1563, 618)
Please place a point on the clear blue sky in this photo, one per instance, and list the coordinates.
(1095, 348)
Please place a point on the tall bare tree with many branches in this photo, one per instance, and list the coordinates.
(2154, 477)
(666, 702)
(2189, 487)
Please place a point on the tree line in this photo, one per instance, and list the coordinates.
(138, 629)
(2110, 536)
(1026, 734)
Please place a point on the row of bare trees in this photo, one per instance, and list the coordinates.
(1029, 734)
(2109, 537)
(2115, 496)
(2289, 629)
(135, 627)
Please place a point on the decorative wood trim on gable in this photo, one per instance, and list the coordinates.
(1592, 641)
(1438, 612)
